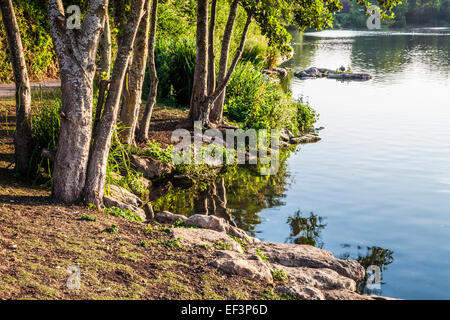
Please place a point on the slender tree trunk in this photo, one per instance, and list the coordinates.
(217, 108)
(96, 173)
(76, 51)
(199, 88)
(22, 135)
(211, 99)
(105, 48)
(131, 105)
(153, 91)
(211, 54)
(104, 67)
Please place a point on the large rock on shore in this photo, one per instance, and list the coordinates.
(151, 168)
(295, 255)
(307, 272)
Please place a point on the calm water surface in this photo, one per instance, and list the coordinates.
(381, 175)
(377, 187)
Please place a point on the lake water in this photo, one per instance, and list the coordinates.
(377, 187)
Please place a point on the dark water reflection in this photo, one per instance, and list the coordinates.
(377, 187)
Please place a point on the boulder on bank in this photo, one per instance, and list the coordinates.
(309, 272)
(205, 237)
(294, 255)
(113, 202)
(151, 168)
(314, 72)
(169, 217)
(242, 265)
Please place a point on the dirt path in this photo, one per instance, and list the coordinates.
(7, 90)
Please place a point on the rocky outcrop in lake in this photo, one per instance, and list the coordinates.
(339, 74)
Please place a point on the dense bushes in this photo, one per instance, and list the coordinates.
(175, 62)
(261, 104)
(39, 55)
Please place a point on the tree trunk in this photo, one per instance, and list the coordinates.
(105, 48)
(199, 88)
(153, 92)
(104, 67)
(217, 108)
(131, 105)
(76, 51)
(211, 54)
(22, 135)
(211, 99)
(103, 132)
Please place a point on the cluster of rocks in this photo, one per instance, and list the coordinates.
(300, 271)
(339, 74)
(287, 138)
(277, 71)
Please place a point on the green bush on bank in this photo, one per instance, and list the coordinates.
(259, 103)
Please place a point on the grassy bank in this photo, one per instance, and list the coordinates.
(39, 240)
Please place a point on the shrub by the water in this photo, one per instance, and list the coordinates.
(261, 104)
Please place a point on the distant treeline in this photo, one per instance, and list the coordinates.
(432, 13)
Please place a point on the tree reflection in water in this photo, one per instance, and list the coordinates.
(238, 195)
(306, 230)
(373, 256)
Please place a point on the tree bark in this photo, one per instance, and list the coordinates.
(153, 91)
(105, 47)
(131, 105)
(76, 52)
(98, 158)
(104, 67)
(211, 54)
(22, 136)
(217, 108)
(199, 88)
(211, 99)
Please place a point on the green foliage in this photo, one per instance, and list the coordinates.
(113, 229)
(34, 29)
(261, 104)
(45, 123)
(220, 245)
(154, 150)
(175, 62)
(123, 213)
(119, 170)
(242, 243)
(279, 275)
(174, 243)
(143, 244)
(86, 217)
(261, 254)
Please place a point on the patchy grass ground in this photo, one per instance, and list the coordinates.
(40, 240)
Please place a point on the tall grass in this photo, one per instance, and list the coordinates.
(119, 170)
(45, 123)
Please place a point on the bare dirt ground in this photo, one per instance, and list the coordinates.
(39, 240)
